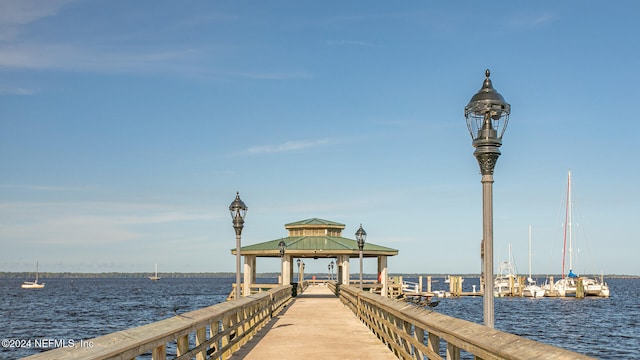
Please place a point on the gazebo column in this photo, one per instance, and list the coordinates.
(346, 273)
(287, 270)
(249, 273)
(383, 275)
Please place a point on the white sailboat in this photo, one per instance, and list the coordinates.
(155, 277)
(506, 281)
(572, 284)
(33, 284)
(532, 289)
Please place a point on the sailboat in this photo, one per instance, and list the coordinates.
(506, 281)
(33, 284)
(155, 277)
(572, 284)
(532, 289)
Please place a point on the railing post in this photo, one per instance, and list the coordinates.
(418, 334)
(453, 352)
(214, 329)
(182, 345)
(201, 337)
(159, 353)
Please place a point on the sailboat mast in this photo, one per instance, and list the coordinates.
(566, 221)
(569, 205)
(529, 251)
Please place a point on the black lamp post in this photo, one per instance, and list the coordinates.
(331, 264)
(282, 246)
(238, 211)
(487, 115)
(361, 236)
(329, 272)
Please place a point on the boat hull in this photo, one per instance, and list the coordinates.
(32, 285)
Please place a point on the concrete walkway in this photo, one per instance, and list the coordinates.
(315, 325)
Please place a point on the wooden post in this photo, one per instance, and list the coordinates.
(580, 289)
(511, 285)
(159, 353)
(420, 284)
(183, 345)
(428, 284)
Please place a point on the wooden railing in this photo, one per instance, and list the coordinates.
(258, 288)
(413, 332)
(213, 332)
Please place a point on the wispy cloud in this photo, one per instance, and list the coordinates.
(78, 223)
(103, 59)
(349, 43)
(7, 90)
(270, 75)
(286, 146)
(15, 13)
(531, 20)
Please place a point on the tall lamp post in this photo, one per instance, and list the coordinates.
(487, 115)
(282, 246)
(361, 235)
(331, 264)
(238, 211)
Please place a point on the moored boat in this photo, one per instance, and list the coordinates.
(33, 284)
(532, 289)
(572, 284)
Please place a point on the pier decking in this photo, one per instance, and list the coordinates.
(316, 325)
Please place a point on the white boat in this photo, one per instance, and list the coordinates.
(506, 281)
(572, 284)
(532, 289)
(155, 277)
(33, 284)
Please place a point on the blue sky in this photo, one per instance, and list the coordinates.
(127, 127)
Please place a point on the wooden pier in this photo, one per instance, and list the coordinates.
(326, 321)
(316, 325)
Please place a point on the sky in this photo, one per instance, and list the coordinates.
(126, 128)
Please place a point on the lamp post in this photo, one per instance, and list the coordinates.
(331, 264)
(282, 245)
(487, 115)
(238, 211)
(361, 235)
(329, 272)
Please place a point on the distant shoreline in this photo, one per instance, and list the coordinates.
(134, 275)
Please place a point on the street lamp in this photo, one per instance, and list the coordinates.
(329, 272)
(331, 264)
(282, 245)
(361, 235)
(487, 115)
(238, 211)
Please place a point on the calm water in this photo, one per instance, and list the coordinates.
(81, 309)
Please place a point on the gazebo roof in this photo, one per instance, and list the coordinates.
(315, 246)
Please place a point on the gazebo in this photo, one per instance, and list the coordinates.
(314, 238)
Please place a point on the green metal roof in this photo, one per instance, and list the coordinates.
(322, 246)
(314, 221)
